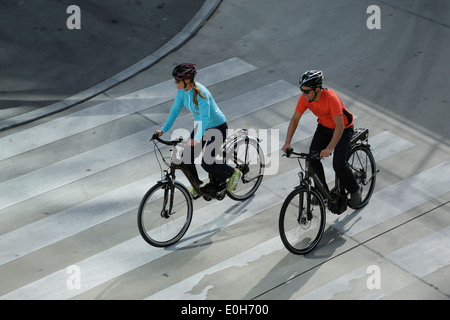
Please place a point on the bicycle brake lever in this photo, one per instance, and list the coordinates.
(154, 136)
(288, 152)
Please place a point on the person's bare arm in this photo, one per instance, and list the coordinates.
(337, 134)
(291, 130)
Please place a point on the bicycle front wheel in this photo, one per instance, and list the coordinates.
(362, 164)
(300, 229)
(246, 155)
(165, 214)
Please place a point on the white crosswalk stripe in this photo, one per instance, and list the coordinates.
(421, 258)
(425, 256)
(129, 196)
(114, 109)
(424, 186)
(177, 291)
(212, 218)
(134, 253)
(120, 151)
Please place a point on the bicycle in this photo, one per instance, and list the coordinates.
(303, 213)
(166, 210)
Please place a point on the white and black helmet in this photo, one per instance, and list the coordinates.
(312, 78)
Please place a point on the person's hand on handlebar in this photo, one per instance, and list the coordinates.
(286, 146)
(287, 149)
(158, 133)
(326, 152)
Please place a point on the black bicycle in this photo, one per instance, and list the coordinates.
(303, 214)
(166, 210)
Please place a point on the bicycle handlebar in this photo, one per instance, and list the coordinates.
(307, 156)
(167, 143)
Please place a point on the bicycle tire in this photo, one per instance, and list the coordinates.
(158, 227)
(299, 233)
(246, 154)
(363, 166)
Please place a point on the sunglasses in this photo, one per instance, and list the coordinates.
(306, 91)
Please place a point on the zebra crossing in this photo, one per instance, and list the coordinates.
(25, 247)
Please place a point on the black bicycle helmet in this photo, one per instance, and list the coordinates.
(185, 71)
(312, 78)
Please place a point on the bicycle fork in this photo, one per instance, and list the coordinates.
(169, 191)
(307, 186)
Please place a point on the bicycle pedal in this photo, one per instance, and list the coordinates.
(207, 189)
(220, 195)
(221, 187)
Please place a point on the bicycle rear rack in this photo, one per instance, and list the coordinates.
(235, 136)
(360, 134)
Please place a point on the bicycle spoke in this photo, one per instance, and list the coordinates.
(247, 156)
(164, 215)
(300, 229)
(362, 163)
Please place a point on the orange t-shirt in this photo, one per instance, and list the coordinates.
(328, 107)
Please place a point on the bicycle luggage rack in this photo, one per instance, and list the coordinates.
(235, 136)
(360, 134)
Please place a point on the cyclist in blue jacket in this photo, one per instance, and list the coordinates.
(198, 100)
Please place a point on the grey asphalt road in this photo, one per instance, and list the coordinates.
(72, 181)
(44, 62)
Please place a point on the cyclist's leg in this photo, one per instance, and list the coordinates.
(340, 164)
(189, 155)
(320, 141)
(220, 172)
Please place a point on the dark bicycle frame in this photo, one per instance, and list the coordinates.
(328, 196)
(173, 166)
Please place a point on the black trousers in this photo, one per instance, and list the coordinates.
(211, 143)
(321, 139)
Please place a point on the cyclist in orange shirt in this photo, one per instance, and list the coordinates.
(333, 133)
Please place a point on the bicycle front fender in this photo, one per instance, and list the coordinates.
(168, 181)
(312, 189)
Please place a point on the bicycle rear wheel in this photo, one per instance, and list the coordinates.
(246, 155)
(165, 214)
(299, 230)
(363, 165)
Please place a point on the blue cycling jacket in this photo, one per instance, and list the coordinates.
(207, 114)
